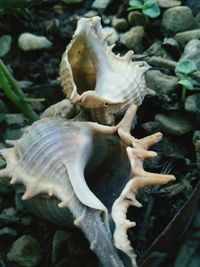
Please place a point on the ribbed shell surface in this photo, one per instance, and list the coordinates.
(50, 158)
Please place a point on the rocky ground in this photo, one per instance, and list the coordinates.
(173, 36)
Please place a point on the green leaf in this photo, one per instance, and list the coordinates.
(152, 12)
(150, 3)
(186, 67)
(136, 3)
(187, 84)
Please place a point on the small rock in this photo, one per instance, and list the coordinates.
(168, 3)
(172, 46)
(29, 41)
(194, 5)
(111, 35)
(7, 233)
(25, 251)
(120, 24)
(90, 14)
(26, 220)
(177, 19)
(100, 4)
(13, 134)
(150, 127)
(192, 52)
(192, 106)
(2, 163)
(174, 123)
(133, 39)
(69, 2)
(15, 119)
(160, 82)
(5, 44)
(59, 245)
(154, 49)
(63, 109)
(9, 215)
(3, 108)
(184, 37)
(136, 18)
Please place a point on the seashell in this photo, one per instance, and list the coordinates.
(94, 77)
(28, 41)
(50, 160)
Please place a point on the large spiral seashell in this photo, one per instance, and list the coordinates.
(50, 159)
(94, 77)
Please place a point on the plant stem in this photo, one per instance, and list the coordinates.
(183, 94)
(14, 93)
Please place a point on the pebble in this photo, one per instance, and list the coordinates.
(133, 39)
(13, 134)
(7, 232)
(177, 19)
(16, 119)
(192, 52)
(120, 24)
(136, 18)
(174, 123)
(100, 4)
(2, 163)
(184, 37)
(9, 215)
(192, 106)
(63, 109)
(160, 82)
(28, 41)
(25, 251)
(5, 44)
(112, 34)
(168, 3)
(90, 14)
(194, 5)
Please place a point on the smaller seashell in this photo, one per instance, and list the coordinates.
(28, 41)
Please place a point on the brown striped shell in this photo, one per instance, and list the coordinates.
(94, 77)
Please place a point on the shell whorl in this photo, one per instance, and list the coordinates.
(94, 77)
(50, 158)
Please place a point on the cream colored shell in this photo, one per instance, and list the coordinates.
(94, 77)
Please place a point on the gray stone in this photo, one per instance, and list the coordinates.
(160, 82)
(120, 24)
(154, 49)
(192, 106)
(136, 18)
(100, 4)
(111, 35)
(194, 5)
(192, 52)
(26, 251)
(26, 220)
(168, 3)
(9, 215)
(174, 123)
(133, 39)
(15, 119)
(7, 232)
(28, 41)
(13, 134)
(90, 14)
(177, 19)
(184, 37)
(5, 44)
(150, 127)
